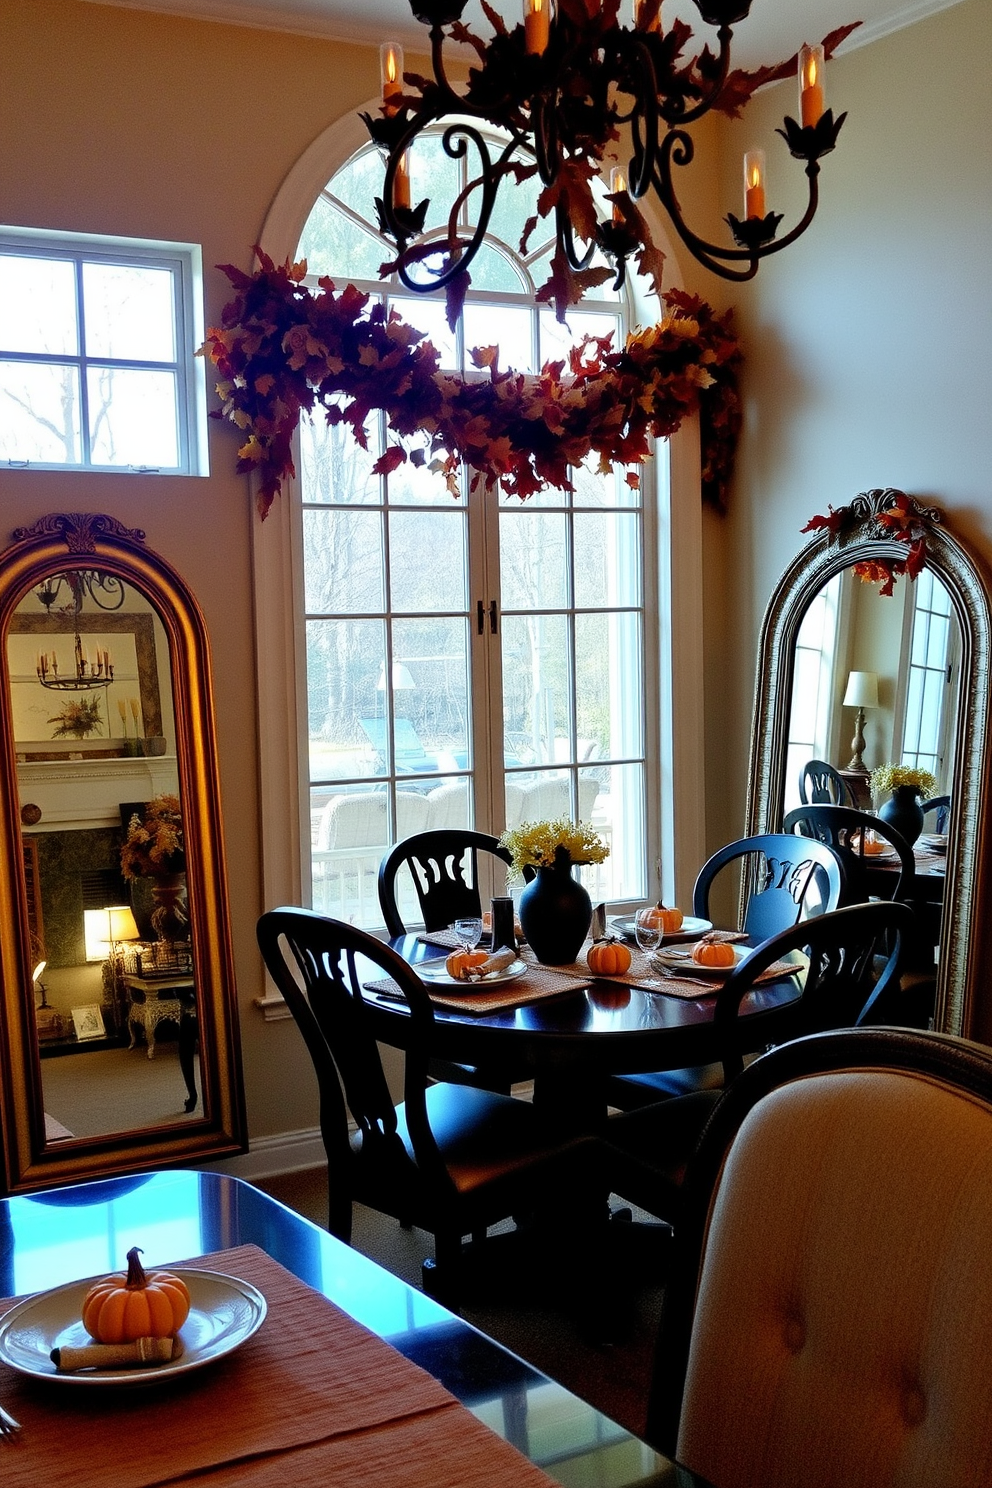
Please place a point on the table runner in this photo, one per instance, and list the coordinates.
(643, 975)
(312, 1396)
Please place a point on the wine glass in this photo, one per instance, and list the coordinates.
(468, 932)
(647, 929)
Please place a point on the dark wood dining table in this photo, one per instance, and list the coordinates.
(48, 1239)
(569, 1044)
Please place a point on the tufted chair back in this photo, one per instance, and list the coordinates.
(828, 1316)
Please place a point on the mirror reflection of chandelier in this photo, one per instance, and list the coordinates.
(85, 671)
(560, 87)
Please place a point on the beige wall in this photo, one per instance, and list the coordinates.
(869, 354)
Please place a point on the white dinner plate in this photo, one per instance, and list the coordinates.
(676, 960)
(935, 841)
(691, 928)
(224, 1312)
(436, 973)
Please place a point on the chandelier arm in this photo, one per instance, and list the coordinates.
(545, 140)
(567, 239)
(451, 100)
(677, 148)
(461, 251)
(643, 120)
(674, 110)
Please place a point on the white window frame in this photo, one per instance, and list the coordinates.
(673, 634)
(184, 261)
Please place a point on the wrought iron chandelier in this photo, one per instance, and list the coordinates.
(86, 673)
(559, 88)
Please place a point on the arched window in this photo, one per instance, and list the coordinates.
(377, 691)
(471, 660)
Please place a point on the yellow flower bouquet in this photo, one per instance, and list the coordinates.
(889, 777)
(543, 844)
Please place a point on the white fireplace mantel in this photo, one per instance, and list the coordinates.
(82, 793)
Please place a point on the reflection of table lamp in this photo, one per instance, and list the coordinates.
(47, 1020)
(862, 693)
(402, 678)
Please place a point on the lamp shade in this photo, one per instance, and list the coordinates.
(862, 690)
(402, 678)
(122, 925)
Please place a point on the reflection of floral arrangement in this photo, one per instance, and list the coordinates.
(542, 844)
(281, 349)
(78, 719)
(154, 845)
(889, 777)
(881, 514)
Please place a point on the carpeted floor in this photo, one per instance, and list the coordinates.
(552, 1333)
(107, 1090)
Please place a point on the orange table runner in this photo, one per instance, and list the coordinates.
(313, 1396)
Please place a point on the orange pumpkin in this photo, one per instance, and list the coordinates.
(119, 1309)
(460, 962)
(667, 920)
(608, 957)
(713, 953)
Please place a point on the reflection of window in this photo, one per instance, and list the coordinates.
(929, 673)
(96, 354)
(473, 663)
(812, 686)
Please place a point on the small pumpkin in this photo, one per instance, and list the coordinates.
(666, 920)
(460, 962)
(713, 953)
(608, 957)
(152, 1304)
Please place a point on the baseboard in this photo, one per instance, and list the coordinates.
(285, 1152)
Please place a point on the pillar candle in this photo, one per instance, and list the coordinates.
(401, 183)
(754, 183)
(391, 72)
(811, 95)
(537, 25)
(618, 182)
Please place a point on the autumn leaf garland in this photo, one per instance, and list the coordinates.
(281, 349)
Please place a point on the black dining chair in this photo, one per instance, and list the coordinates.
(847, 832)
(449, 1158)
(788, 881)
(941, 805)
(827, 1305)
(821, 784)
(444, 867)
(841, 986)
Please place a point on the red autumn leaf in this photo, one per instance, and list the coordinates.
(387, 462)
(833, 522)
(741, 85)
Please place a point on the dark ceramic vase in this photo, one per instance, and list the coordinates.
(170, 917)
(904, 812)
(555, 913)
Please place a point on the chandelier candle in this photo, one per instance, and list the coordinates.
(391, 72)
(537, 26)
(811, 95)
(401, 182)
(618, 182)
(754, 184)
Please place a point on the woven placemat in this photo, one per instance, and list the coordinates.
(538, 983)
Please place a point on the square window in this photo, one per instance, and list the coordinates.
(97, 342)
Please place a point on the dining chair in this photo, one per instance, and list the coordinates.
(942, 806)
(829, 1299)
(789, 879)
(444, 868)
(821, 784)
(847, 832)
(840, 987)
(449, 1158)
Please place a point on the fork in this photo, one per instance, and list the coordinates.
(8, 1426)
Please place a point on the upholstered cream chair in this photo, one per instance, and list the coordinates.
(828, 1317)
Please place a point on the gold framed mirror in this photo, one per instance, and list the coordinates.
(963, 579)
(119, 1047)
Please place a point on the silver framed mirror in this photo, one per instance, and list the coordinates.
(968, 878)
(119, 1047)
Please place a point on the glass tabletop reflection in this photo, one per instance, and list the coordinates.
(50, 1238)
